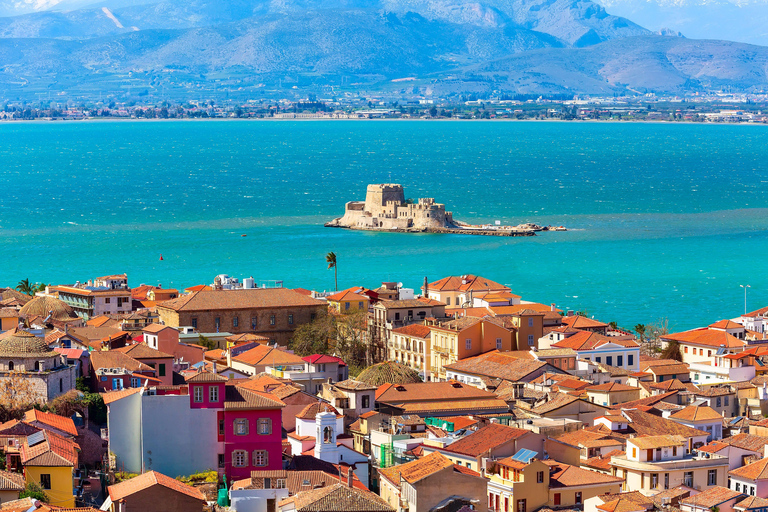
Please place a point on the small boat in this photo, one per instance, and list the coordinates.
(243, 235)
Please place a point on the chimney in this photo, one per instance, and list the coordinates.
(350, 476)
(552, 307)
(426, 288)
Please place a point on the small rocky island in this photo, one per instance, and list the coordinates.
(385, 209)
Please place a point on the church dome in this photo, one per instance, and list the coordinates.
(25, 344)
(44, 306)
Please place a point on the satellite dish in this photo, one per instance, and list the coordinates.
(399, 285)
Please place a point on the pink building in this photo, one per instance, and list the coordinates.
(207, 423)
(166, 339)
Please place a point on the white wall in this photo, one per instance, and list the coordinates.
(177, 440)
(124, 427)
(254, 500)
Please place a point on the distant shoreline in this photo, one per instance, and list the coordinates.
(303, 120)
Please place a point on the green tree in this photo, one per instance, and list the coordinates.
(26, 287)
(640, 330)
(32, 490)
(330, 259)
(672, 351)
(208, 343)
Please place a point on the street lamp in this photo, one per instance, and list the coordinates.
(745, 286)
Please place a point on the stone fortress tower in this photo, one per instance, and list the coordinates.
(385, 208)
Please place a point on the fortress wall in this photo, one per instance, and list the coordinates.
(377, 196)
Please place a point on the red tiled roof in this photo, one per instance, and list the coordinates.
(582, 322)
(725, 324)
(417, 469)
(151, 478)
(414, 330)
(53, 420)
(54, 451)
(251, 298)
(587, 340)
(755, 471)
(565, 475)
(485, 439)
(322, 358)
(707, 337)
(711, 497)
(466, 283)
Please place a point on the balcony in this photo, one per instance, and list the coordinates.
(688, 463)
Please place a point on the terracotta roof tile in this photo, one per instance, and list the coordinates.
(208, 300)
(697, 413)
(150, 479)
(53, 451)
(262, 355)
(485, 439)
(587, 340)
(143, 351)
(611, 387)
(311, 411)
(755, 471)
(652, 442)
(240, 398)
(752, 502)
(565, 475)
(582, 322)
(206, 377)
(338, 498)
(114, 396)
(115, 359)
(414, 330)
(711, 497)
(53, 420)
(11, 481)
(644, 423)
(621, 505)
(417, 469)
(707, 337)
(499, 365)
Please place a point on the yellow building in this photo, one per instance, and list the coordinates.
(522, 484)
(347, 301)
(49, 461)
(459, 291)
(410, 345)
(9, 318)
(464, 337)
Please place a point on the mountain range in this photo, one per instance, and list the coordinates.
(198, 47)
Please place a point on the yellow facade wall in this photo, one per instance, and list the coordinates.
(60, 493)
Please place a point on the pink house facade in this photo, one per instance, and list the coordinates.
(207, 423)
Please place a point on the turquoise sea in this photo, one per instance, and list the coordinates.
(667, 219)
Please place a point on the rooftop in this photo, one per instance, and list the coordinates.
(251, 298)
(149, 479)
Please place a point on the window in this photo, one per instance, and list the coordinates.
(709, 353)
(254, 322)
(162, 370)
(290, 319)
(619, 361)
(280, 483)
(366, 401)
(10, 366)
(598, 359)
(666, 480)
(686, 349)
(539, 477)
(498, 343)
(221, 426)
(198, 394)
(719, 402)
(725, 401)
(312, 316)
(609, 360)
(346, 305)
(530, 322)
(235, 321)
(134, 382)
(267, 482)
(239, 458)
(674, 451)
(688, 478)
(469, 344)
(578, 498)
(738, 487)
(752, 490)
(271, 319)
(447, 301)
(654, 480)
(397, 316)
(241, 427)
(712, 477)
(557, 499)
(359, 305)
(265, 426)
(260, 458)
(469, 466)
(634, 452)
(630, 359)
(530, 340)
(520, 505)
(45, 480)
(213, 393)
(107, 300)
(221, 460)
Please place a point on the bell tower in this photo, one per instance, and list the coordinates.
(325, 438)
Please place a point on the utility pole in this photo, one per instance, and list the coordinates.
(745, 286)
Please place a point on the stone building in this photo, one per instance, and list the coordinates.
(385, 208)
(270, 312)
(26, 357)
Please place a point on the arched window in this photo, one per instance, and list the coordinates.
(10, 366)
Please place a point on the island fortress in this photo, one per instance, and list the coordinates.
(386, 209)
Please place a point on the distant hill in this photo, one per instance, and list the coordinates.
(531, 46)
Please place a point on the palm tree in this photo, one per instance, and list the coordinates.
(640, 329)
(330, 259)
(26, 287)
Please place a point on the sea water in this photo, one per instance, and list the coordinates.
(666, 220)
